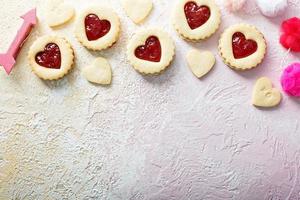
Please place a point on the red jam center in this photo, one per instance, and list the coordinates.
(196, 15)
(50, 57)
(242, 47)
(151, 51)
(96, 28)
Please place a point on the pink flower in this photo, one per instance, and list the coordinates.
(290, 37)
(290, 80)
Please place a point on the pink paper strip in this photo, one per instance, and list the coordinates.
(8, 59)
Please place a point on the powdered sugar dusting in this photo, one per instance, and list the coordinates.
(166, 137)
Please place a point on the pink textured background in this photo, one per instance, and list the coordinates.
(169, 137)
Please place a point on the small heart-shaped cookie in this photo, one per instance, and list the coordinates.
(99, 72)
(264, 95)
(58, 13)
(137, 10)
(200, 62)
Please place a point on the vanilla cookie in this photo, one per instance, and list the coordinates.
(51, 57)
(264, 95)
(58, 13)
(150, 51)
(196, 20)
(98, 72)
(98, 28)
(200, 62)
(242, 47)
(137, 10)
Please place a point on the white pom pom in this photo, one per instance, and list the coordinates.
(272, 8)
(234, 5)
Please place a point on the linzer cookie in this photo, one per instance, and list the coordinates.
(51, 57)
(150, 51)
(196, 20)
(242, 47)
(98, 28)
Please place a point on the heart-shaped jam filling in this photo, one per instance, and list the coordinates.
(50, 57)
(151, 51)
(96, 28)
(196, 15)
(241, 46)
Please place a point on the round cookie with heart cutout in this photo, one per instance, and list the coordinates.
(98, 28)
(151, 51)
(196, 20)
(51, 57)
(242, 47)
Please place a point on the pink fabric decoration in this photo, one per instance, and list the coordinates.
(290, 37)
(272, 8)
(234, 5)
(290, 80)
